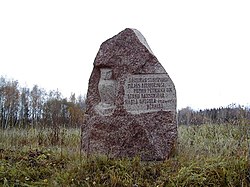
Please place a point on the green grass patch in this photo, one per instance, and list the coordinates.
(208, 155)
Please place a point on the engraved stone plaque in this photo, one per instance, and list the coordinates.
(149, 93)
(131, 102)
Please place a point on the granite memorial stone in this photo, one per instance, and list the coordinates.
(131, 102)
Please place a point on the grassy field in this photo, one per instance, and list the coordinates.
(207, 155)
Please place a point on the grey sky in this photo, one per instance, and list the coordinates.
(203, 45)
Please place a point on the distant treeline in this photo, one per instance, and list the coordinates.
(25, 107)
(233, 114)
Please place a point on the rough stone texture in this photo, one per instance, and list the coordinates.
(131, 102)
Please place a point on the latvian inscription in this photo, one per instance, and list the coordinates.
(149, 93)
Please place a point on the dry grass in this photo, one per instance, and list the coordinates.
(208, 155)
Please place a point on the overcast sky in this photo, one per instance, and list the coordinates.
(203, 45)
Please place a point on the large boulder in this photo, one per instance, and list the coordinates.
(131, 102)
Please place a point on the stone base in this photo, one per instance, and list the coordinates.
(150, 136)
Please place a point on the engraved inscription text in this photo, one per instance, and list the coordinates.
(149, 93)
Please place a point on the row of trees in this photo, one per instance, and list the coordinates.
(24, 107)
(234, 114)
